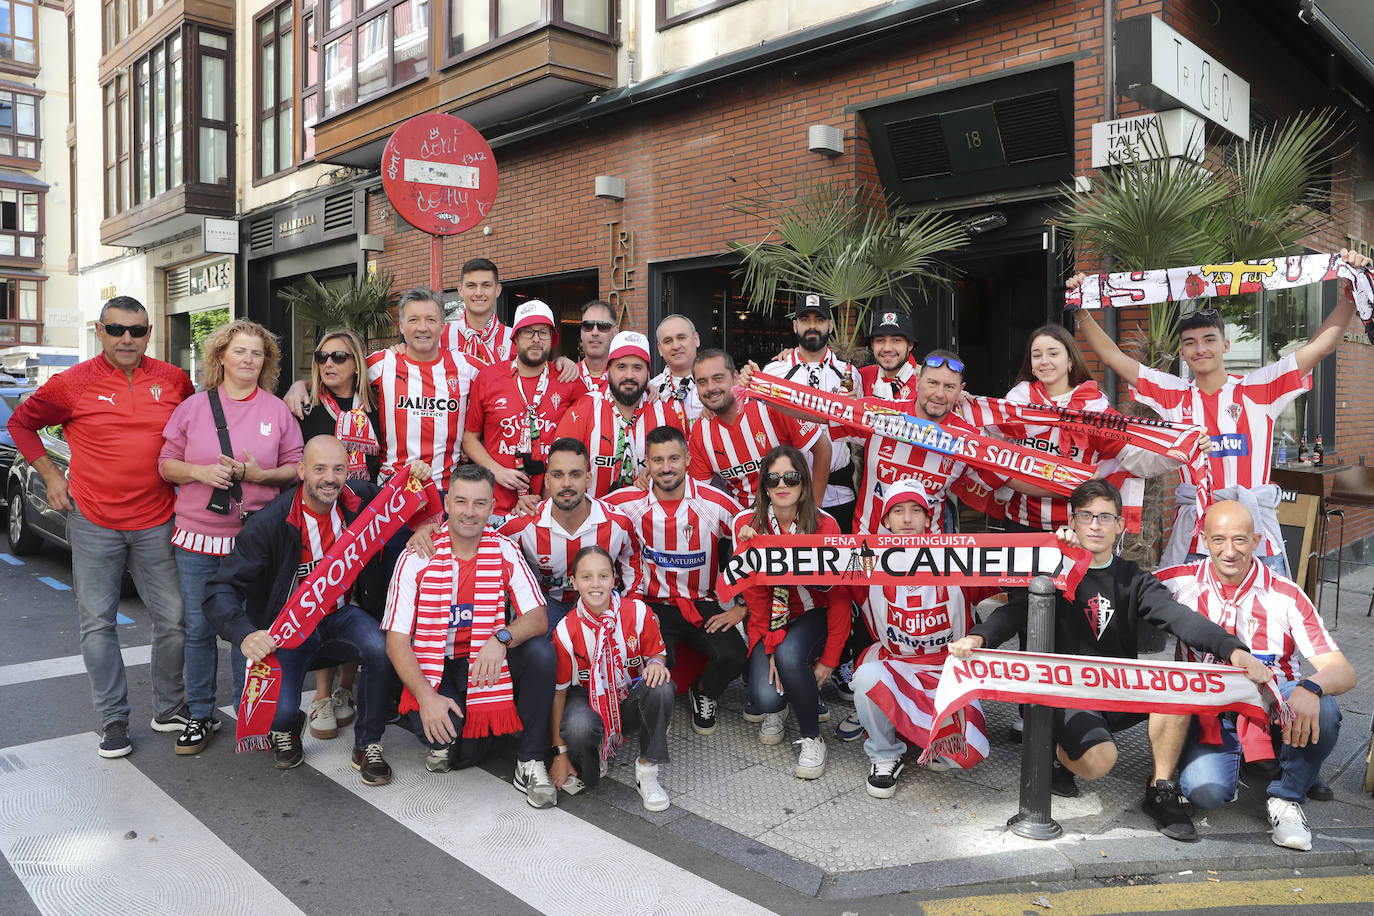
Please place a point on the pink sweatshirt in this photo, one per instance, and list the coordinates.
(261, 425)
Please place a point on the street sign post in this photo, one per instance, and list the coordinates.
(440, 175)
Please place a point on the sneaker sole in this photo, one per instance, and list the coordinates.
(876, 792)
(770, 740)
(545, 803)
(704, 730)
(116, 753)
(324, 734)
(754, 717)
(1300, 847)
(823, 716)
(167, 727)
(810, 772)
(849, 736)
(288, 766)
(184, 751)
(655, 806)
(342, 721)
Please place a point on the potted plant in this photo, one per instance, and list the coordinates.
(364, 306)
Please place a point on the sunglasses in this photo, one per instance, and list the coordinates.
(935, 362)
(602, 326)
(772, 480)
(118, 330)
(339, 356)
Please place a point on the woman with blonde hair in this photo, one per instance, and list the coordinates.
(222, 477)
(342, 405)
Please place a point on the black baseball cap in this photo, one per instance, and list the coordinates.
(892, 321)
(812, 302)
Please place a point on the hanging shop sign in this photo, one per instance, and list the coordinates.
(1159, 68)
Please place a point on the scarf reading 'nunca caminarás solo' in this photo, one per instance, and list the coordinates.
(318, 595)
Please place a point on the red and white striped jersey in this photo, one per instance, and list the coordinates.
(679, 542)
(637, 635)
(595, 384)
(679, 393)
(549, 547)
(887, 461)
(835, 376)
(596, 421)
(735, 452)
(902, 388)
(422, 406)
(1270, 613)
(915, 621)
(494, 343)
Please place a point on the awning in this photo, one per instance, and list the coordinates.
(1348, 27)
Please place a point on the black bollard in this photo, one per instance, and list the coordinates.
(1037, 746)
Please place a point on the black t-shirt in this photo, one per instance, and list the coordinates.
(318, 422)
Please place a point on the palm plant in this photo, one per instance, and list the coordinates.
(364, 307)
(845, 243)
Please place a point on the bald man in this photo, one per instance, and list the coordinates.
(1275, 618)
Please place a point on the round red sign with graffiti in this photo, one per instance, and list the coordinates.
(439, 174)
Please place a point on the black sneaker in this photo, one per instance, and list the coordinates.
(882, 778)
(1163, 803)
(286, 749)
(703, 713)
(196, 735)
(114, 741)
(1320, 791)
(174, 721)
(1062, 782)
(372, 765)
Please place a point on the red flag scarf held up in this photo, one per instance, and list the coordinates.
(1145, 287)
(1104, 685)
(318, 594)
(1058, 475)
(891, 559)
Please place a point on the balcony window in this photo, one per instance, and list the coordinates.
(21, 310)
(671, 12)
(19, 33)
(310, 82)
(20, 228)
(275, 100)
(372, 46)
(122, 17)
(474, 24)
(19, 125)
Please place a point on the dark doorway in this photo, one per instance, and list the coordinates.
(296, 336)
(564, 293)
(707, 291)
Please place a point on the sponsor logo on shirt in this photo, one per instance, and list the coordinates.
(424, 405)
(691, 560)
(1230, 444)
(741, 470)
(265, 429)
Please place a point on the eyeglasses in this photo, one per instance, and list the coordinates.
(536, 333)
(935, 362)
(773, 480)
(1103, 519)
(118, 330)
(339, 356)
(602, 326)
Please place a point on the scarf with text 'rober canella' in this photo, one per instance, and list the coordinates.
(874, 415)
(891, 559)
(318, 595)
(1146, 287)
(1103, 685)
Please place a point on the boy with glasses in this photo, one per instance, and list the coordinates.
(1103, 618)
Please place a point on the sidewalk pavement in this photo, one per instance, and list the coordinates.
(827, 837)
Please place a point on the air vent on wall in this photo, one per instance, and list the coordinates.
(918, 148)
(338, 212)
(178, 282)
(1031, 127)
(260, 234)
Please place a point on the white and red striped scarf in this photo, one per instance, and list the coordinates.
(1103, 685)
(905, 692)
(609, 681)
(1174, 284)
(490, 709)
(354, 429)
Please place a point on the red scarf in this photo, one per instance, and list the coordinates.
(490, 709)
(354, 430)
(318, 595)
(609, 683)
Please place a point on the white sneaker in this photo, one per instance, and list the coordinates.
(941, 764)
(343, 705)
(811, 760)
(1289, 824)
(646, 779)
(533, 779)
(573, 784)
(770, 732)
(322, 721)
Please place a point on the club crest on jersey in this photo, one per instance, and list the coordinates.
(554, 399)
(631, 643)
(687, 531)
(453, 384)
(156, 391)
(761, 438)
(1233, 412)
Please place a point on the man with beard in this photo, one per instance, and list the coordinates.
(566, 522)
(813, 363)
(677, 343)
(598, 328)
(514, 408)
(733, 440)
(891, 337)
(681, 524)
(613, 425)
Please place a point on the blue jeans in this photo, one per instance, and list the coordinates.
(349, 634)
(794, 656)
(1208, 774)
(202, 643)
(98, 558)
(883, 743)
(556, 611)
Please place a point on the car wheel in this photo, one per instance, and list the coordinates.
(23, 539)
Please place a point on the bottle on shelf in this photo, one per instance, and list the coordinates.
(1302, 450)
(1318, 454)
(1283, 453)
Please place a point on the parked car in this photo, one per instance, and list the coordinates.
(31, 520)
(12, 392)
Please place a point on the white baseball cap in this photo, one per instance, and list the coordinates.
(533, 313)
(906, 491)
(630, 343)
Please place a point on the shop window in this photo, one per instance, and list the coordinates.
(372, 46)
(472, 25)
(19, 125)
(274, 91)
(19, 34)
(671, 12)
(21, 229)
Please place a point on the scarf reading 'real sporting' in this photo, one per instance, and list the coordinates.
(1145, 287)
(891, 559)
(1004, 459)
(1104, 685)
(318, 595)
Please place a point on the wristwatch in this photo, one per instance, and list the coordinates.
(503, 636)
(1308, 684)
(559, 749)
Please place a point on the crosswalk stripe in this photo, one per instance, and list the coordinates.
(62, 667)
(66, 819)
(54, 584)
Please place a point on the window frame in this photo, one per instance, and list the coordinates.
(551, 14)
(353, 26)
(12, 64)
(19, 324)
(663, 21)
(14, 158)
(308, 81)
(172, 52)
(35, 259)
(285, 95)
